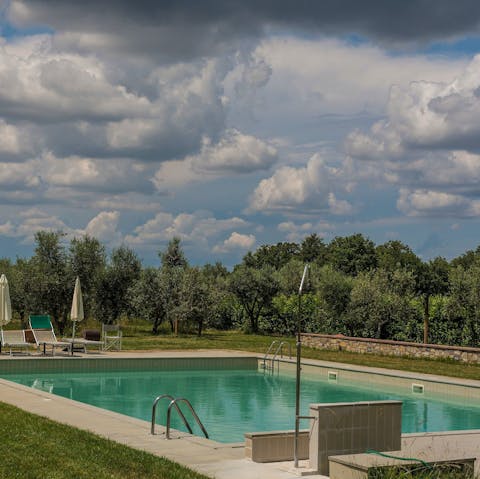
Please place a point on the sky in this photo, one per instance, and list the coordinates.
(237, 123)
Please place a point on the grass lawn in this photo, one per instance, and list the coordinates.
(137, 336)
(34, 447)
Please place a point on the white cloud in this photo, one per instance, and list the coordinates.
(426, 114)
(198, 227)
(104, 227)
(28, 222)
(306, 187)
(235, 242)
(435, 203)
(428, 145)
(235, 153)
(314, 77)
(44, 85)
(297, 232)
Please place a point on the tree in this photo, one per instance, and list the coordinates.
(53, 282)
(173, 267)
(395, 255)
(334, 289)
(112, 299)
(173, 256)
(275, 256)
(88, 262)
(382, 304)
(463, 307)
(195, 298)
(255, 289)
(432, 279)
(146, 297)
(352, 254)
(313, 249)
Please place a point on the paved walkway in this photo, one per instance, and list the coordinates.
(221, 461)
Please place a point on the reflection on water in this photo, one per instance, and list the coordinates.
(232, 402)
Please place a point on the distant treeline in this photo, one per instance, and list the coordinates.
(354, 287)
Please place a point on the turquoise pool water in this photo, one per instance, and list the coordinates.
(232, 402)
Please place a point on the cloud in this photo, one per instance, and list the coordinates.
(330, 76)
(289, 188)
(191, 30)
(416, 146)
(235, 153)
(236, 242)
(198, 227)
(436, 203)
(40, 84)
(31, 221)
(426, 115)
(99, 112)
(297, 232)
(104, 227)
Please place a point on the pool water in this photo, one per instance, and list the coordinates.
(232, 402)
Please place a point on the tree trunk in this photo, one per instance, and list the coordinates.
(426, 317)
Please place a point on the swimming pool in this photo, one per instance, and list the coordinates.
(233, 401)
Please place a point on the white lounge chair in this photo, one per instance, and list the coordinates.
(44, 334)
(14, 339)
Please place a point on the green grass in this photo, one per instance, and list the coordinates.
(34, 447)
(137, 336)
(443, 471)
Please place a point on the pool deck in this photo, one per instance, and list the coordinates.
(222, 461)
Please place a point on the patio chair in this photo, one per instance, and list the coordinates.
(14, 339)
(43, 333)
(112, 337)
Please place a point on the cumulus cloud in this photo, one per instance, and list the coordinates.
(235, 153)
(296, 232)
(49, 86)
(329, 76)
(436, 203)
(416, 145)
(235, 242)
(198, 227)
(104, 227)
(425, 115)
(292, 188)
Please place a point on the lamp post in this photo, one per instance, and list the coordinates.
(299, 353)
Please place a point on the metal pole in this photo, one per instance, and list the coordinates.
(297, 385)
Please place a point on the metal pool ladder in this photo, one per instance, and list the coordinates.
(279, 350)
(174, 403)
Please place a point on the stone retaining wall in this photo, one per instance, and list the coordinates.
(391, 348)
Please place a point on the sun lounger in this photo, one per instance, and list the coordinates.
(44, 334)
(14, 339)
(91, 337)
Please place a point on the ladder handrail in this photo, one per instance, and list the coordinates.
(280, 349)
(188, 403)
(154, 411)
(268, 352)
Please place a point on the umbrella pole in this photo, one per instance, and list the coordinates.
(73, 337)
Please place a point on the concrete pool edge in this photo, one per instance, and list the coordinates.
(224, 461)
